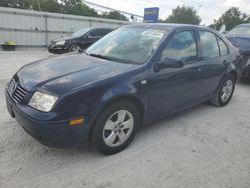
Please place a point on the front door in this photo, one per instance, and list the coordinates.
(91, 38)
(172, 89)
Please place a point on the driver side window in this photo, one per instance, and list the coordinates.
(181, 46)
(95, 33)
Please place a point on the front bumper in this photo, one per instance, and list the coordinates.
(57, 49)
(49, 133)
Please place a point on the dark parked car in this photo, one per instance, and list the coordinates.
(240, 35)
(78, 41)
(133, 75)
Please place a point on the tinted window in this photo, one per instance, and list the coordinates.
(209, 45)
(223, 47)
(181, 46)
(99, 32)
(95, 33)
(80, 33)
(105, 31)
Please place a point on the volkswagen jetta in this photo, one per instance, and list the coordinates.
(135, 74)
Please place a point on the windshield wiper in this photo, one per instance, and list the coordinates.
(83, 51)
(100, 56)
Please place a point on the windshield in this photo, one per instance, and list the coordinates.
(128, 45)
(240, 30)
(80, 33)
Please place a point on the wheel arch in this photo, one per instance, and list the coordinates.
(130, 98)
(234, 74)
(231, 72)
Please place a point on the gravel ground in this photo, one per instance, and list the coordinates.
(204, 146)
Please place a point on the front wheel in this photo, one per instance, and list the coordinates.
(75, 48)
(115, 127)
(225, 92)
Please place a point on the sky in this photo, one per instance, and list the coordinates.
(207, 10)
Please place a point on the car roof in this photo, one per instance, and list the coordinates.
(246, 24)
(101, 28)
(167, 26)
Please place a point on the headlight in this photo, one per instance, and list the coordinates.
(43, 102)
(62, 42)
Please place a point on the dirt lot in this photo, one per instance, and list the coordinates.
(201, 147)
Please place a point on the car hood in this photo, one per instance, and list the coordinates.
(68, 72)
(64, 38)
(243, 41)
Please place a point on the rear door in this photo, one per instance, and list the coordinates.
(215, 59)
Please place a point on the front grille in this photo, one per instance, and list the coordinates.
(16, 92)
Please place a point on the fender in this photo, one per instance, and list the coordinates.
(231, 69)
(134, 91)
(122, 91)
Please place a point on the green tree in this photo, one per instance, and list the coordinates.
(76, 7)
(184, 15)
(114, 15)
(231, 18)
(23, 4)
(46, 5)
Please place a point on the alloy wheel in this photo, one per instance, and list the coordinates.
(227, 90)
(118, 128)
(76, 49)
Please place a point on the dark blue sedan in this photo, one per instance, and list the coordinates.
(135, 74)
(240, 36)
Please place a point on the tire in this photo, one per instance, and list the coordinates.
(225, 92)
(75, 48)
(110, 134)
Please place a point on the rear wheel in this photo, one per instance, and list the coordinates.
(75, 48)
(225, 92)
(115, 127)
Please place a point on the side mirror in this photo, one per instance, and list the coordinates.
(169, 63)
